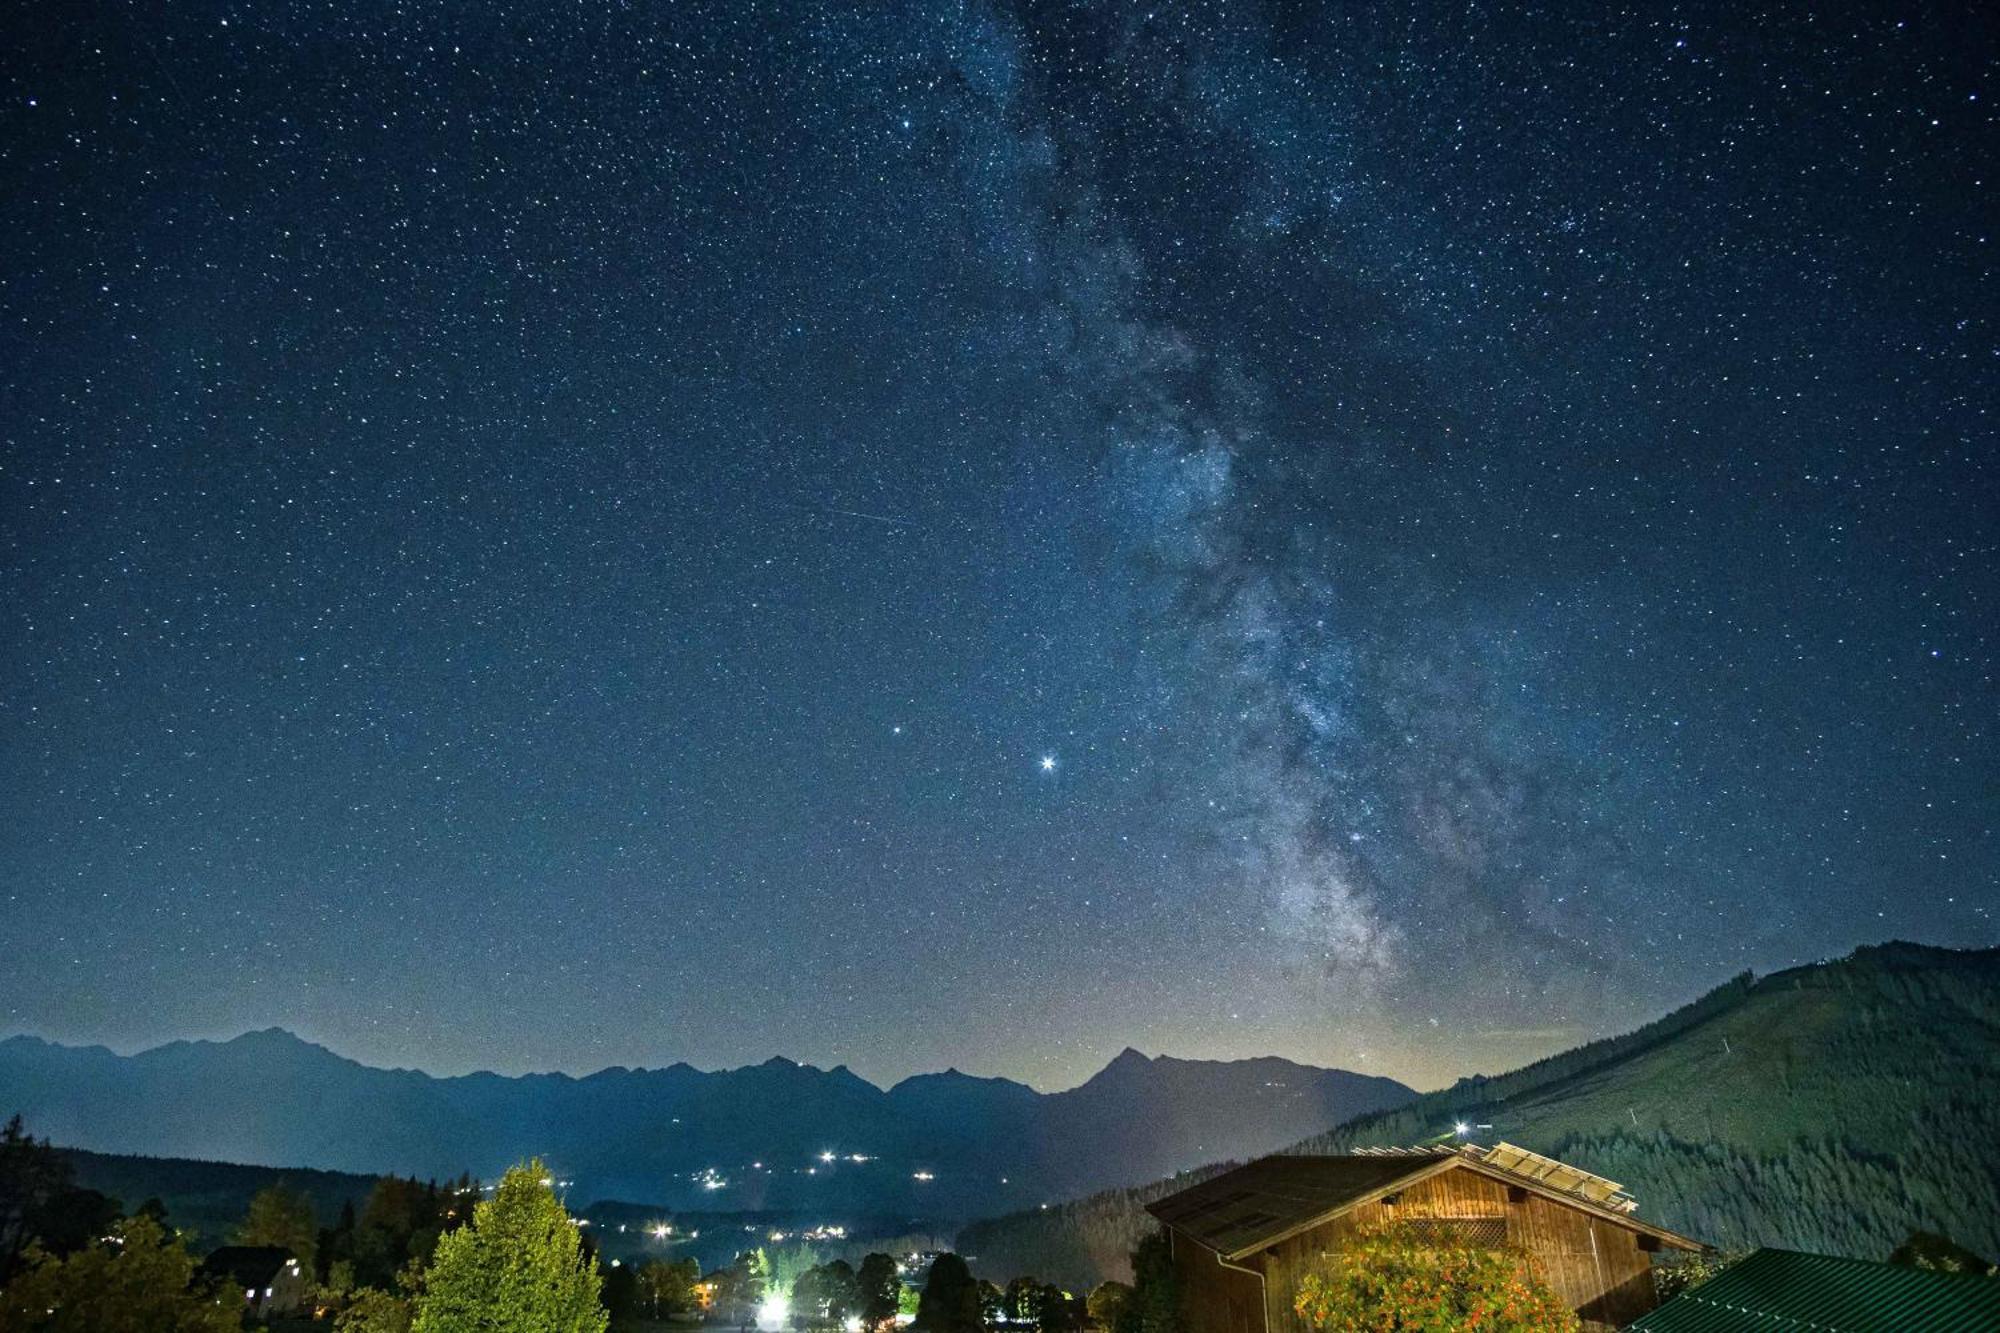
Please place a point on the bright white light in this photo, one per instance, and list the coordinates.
(852, 1324)
(661, 1231)
(922, 1175)
(773, 1312)
(828, 1155)
(1462, 1129)
(1048, 763)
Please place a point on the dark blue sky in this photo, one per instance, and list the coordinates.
(542, 536)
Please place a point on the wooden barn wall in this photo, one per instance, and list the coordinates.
(1596, 1266)
(1215, 1299)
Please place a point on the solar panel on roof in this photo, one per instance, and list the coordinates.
(1548, 1171)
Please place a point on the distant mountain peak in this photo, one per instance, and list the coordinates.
(825, 1140)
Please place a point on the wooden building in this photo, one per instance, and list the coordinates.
(273, 1282)
(1242, 1240)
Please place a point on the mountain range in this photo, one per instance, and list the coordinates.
(778, 1135)
(1833, 1108)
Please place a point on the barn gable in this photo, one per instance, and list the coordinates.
(1243, 1239)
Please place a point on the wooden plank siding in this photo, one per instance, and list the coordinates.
(1214, 1298)
(1596, 1266)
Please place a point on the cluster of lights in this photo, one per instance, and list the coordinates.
(710, 1179)
(922, 1175)
(821, 1232)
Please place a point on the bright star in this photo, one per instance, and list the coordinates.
(1048, 763)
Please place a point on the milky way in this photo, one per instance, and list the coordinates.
(969, 534)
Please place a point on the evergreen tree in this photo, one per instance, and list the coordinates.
(519, 1268)
(31, 1176)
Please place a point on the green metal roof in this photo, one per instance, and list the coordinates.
(1777, 1290)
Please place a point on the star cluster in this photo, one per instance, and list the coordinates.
(979, 534)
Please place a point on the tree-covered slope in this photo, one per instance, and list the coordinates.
(208, 1199)
(1831, 1108)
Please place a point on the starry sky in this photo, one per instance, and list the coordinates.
(540, 536)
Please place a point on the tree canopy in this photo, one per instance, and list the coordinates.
(950, 1303)
(880, 1289)
(143, 1283)
(281, 1216)
(520, 1267)
(1155, 1303)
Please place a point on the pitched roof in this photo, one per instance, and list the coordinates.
(1242, 1211)
(247, 1265)
(1781, 1290)
(1263, 1202)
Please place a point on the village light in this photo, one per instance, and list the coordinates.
(773, 1312)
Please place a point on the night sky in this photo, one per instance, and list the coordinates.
(957, 534)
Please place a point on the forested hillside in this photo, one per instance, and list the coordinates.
(208, 1199)
(1831, 1108)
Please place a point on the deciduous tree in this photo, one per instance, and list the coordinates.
(144, 1283)
(1107, 1303)
(1392, 1281)
(519, 1268)
(880, 1289)
(1155, 1303)
(373, 1311)
(950, 1303)
(281, 1216)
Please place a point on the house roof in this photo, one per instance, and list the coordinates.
(247, 1265)
(1776, 1290)
(1255, 1206)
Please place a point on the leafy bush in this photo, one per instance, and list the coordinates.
(1389, 1282)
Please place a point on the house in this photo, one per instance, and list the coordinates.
(1242, 1240)
(273, 1281)
(1783, 1290)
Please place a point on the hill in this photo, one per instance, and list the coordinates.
(1831, 1108)
(775, 1136)
(209, 1198)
